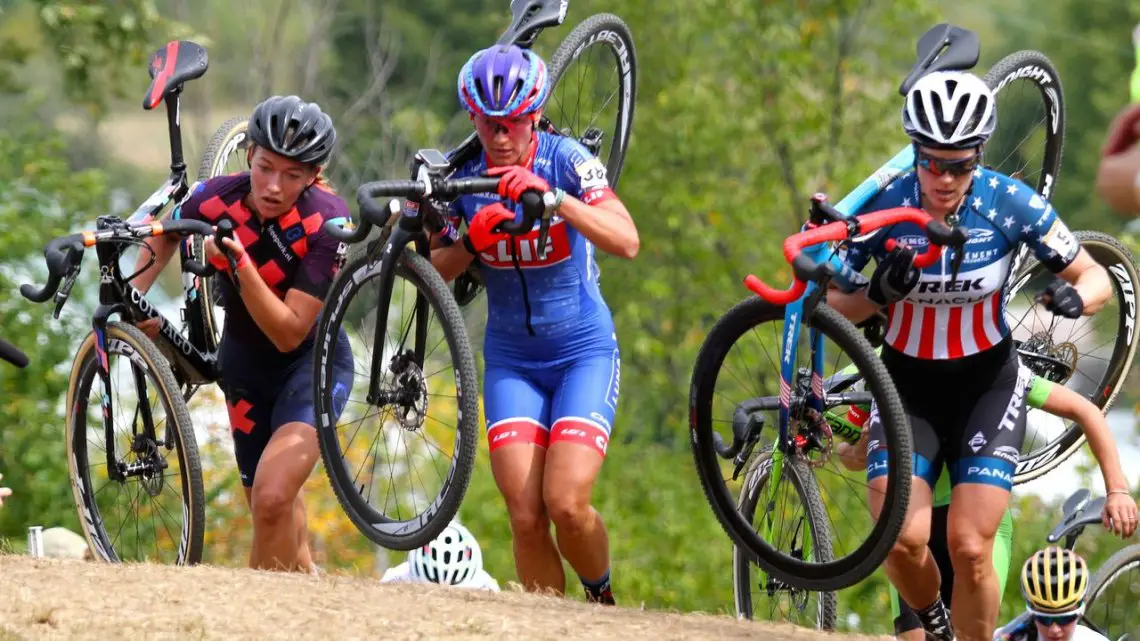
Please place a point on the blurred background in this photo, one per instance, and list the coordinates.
(744, 110)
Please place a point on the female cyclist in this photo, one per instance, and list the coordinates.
(1054, 582)
(285, 264)
(947, 345)
(1118, 515)
(551, 352)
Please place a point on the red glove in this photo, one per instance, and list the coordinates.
(516, 180)
(480, 234)
(1123, 133)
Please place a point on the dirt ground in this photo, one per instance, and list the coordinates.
(55, 599)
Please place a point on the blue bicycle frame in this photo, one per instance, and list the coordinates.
(793, 312)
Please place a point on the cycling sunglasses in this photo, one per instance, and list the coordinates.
(940, 166)
(1047, 620)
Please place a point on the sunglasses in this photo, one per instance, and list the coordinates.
(940, 166)
(1047, 620)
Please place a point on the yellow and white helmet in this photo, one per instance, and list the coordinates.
(1054, 581)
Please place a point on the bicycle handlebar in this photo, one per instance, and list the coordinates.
(373, 213)
(62, 254)
(805, 269)
(12, 354)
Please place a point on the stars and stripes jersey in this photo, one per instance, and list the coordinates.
(542, 309)
(292, 251)
(944, 317)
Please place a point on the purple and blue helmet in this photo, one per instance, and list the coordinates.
(503, 82)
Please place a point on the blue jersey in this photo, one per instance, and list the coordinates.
(947, 316)
(543, 310)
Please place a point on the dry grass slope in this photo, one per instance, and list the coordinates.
(52, 599)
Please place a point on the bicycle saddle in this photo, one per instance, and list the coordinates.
(1079, 511)
(944, 47)
(170, 67)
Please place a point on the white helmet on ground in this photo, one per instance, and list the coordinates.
(452, 558)
(949, 110)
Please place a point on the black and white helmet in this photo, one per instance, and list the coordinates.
(949, 110)
(293, 128)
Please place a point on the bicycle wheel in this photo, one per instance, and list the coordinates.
(225, 154)
(168, 503)
(1029, 94)
(1091, 355)
(749, 400)
(802, 607)
(1113, 591)
(581, 102)
(392, 411)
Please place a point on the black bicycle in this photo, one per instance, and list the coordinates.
(418, 404)
(140, 448)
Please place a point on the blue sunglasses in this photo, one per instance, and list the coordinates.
(1060, 619)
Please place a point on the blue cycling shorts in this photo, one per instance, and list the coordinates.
(540, 405)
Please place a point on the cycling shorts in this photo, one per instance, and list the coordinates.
(575, 402)
(905, 618)
(264, 392)
(968, 413)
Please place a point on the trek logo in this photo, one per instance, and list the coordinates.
(1121, 273)
(789, 340)
(960, 285)
(1017, 400)
(974, 471)
(558, 249)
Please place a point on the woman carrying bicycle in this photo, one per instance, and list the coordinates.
(947, 345)
(551, 352)
(285, 264)
(1118, 516)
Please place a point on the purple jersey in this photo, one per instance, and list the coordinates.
(291, 251)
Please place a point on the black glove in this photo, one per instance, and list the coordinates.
(1062, 299)
(894, 277)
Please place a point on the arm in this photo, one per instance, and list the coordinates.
(285, 322)
(856, 307)
(451, 261)
(1091, 281)
(607, 225)
(1066, 403)
(164, 248)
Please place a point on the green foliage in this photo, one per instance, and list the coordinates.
(40, 197)
(99, 43)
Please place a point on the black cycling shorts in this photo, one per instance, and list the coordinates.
(265, 391)
(968, 413)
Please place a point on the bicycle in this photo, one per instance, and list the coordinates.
(165, 372)
(1021, 69)
(1079, 511)
(378, 281)
(802, 440)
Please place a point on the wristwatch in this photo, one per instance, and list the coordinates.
(552, 200)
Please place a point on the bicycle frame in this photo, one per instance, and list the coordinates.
(793, 317)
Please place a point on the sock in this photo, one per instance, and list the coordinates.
(936, 620)
(598, 591)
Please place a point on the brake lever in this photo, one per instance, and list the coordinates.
(543, 232)
(64, 292)
(226, 230)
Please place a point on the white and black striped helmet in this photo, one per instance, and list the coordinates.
(949, 110)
